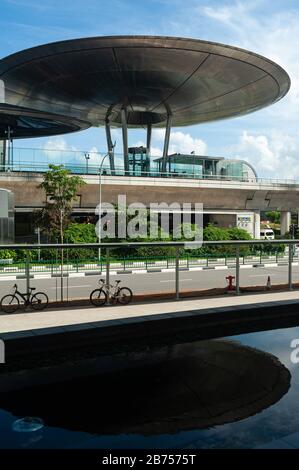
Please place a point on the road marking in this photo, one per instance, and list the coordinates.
(173, 280)
(264, 275)
(73, 287)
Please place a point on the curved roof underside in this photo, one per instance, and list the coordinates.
(92, 79)
(25, 122)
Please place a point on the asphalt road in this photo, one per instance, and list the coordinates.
(80, 287)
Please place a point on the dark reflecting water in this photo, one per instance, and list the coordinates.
(231, 392)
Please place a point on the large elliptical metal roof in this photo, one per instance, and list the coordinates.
(23, 123)
(92, 79)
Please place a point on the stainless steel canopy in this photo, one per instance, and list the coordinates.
(17, 122)
(93, 79)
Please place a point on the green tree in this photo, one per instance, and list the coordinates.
(61, 190)
(273, 216)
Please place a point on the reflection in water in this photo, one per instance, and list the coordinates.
(194, 386)
(28, 424)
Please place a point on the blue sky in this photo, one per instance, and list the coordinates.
(269, 138)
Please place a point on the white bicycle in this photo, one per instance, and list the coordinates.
(121, 295)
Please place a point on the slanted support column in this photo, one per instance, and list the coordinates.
(2, 154)
(166, 143)
(125, 138)
(257, 225)
(285, 222)
(148, 139)
(109, 145)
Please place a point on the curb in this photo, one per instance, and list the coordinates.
(11, 277)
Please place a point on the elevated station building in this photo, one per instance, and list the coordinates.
(141, 82)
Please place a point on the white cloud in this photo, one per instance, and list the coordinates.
(273, 155)
(273, 35)
(180, 142)
(57, 149)
(95, 157)
(223, 14)
(272, 32)
(156, 152)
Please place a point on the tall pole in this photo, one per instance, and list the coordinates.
(125, 139)
(166, 143)
(177, 273)
(87, 157)
(8, 132)
(148, 139)
(62, 257)
(237, 270)
(290, 283)
(38, 241)
(100, 203)
(2, 154)
(110, 145)
(27, 271)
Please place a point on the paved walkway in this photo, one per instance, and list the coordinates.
(105, 316)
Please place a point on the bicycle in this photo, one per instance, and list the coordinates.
(121, 295)
(10, 303)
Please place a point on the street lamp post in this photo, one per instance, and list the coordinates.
(9, 133)
(87, 157)
(100, 201)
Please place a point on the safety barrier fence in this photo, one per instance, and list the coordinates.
(62, 280)
(31, 166)
(126, 264)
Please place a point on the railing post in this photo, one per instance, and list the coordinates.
(237, 270)
(177, 273)
(61, 274)
(108, 273)
(27, 271)
(290, 266)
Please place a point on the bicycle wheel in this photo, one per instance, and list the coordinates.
(98, 297)
(124, 296)
(39, 301)
(10, 303)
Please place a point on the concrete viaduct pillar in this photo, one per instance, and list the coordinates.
(285, 222)
(257, 224)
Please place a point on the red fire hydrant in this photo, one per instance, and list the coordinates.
(230, 280)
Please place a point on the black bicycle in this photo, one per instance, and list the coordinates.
(10, 303)
(121, 295)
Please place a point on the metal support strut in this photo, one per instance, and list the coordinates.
(110, 145)
(125, 138)
(166, 143)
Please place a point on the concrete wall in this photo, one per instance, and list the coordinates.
(228, 195)
(6, 216)
(242, 197)
(223, 220)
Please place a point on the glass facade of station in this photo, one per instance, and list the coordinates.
(140, 164)
(206, 167)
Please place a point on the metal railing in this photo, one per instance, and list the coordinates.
(105, 264)
(41, 167)
(127, 264)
